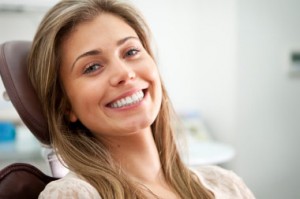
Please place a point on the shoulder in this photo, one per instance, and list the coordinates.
(223, 183)
(70, 186)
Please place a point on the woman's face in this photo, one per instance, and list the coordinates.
(111, 81)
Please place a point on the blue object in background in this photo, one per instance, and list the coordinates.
(7, 132)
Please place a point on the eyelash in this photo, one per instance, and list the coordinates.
(135, 50)
(90, 68)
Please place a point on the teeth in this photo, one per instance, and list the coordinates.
(129, 100)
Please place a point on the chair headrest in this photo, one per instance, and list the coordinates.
(13, 71)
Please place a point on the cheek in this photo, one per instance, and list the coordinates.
(84, 98)
(159, 93)
(154, 77)
(151, 71)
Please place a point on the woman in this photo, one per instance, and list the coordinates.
(108, 112)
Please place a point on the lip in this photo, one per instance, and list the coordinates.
(126, 94)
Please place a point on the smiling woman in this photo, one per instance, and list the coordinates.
(109, 114)
(102, 72)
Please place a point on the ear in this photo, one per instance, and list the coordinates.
(72, 116)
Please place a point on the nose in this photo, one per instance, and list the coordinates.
(122, 73)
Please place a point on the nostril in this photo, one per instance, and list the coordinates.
(121, 82)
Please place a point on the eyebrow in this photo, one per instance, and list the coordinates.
(97, 51)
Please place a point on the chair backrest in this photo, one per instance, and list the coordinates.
(21, 180)
(13, 71)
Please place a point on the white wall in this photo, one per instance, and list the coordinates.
(18, 25)
(196, 42)
(268, 99)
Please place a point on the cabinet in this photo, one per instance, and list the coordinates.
(24, 148)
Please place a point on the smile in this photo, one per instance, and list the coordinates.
(129, 100)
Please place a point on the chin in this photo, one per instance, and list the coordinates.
(139, 126)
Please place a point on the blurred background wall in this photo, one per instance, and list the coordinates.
(227, 59)
(268, 108)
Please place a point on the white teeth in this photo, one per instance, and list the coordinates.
(129, 100)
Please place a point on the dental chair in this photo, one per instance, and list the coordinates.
(22, 180)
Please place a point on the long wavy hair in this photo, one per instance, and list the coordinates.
(78, 148)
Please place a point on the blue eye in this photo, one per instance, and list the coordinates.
(91, 68)
(132, 52)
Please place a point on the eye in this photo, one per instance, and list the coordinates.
(132, 52)
(91, 68)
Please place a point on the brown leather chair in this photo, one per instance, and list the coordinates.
(22, 180)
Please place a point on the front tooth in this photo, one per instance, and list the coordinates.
(128, 100)
(135, 97)
(119, 103)
(123, 101)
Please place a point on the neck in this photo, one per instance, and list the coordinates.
(137, 156)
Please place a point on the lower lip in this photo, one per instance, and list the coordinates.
(132, 106)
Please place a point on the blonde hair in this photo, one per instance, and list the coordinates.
(79, 150)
